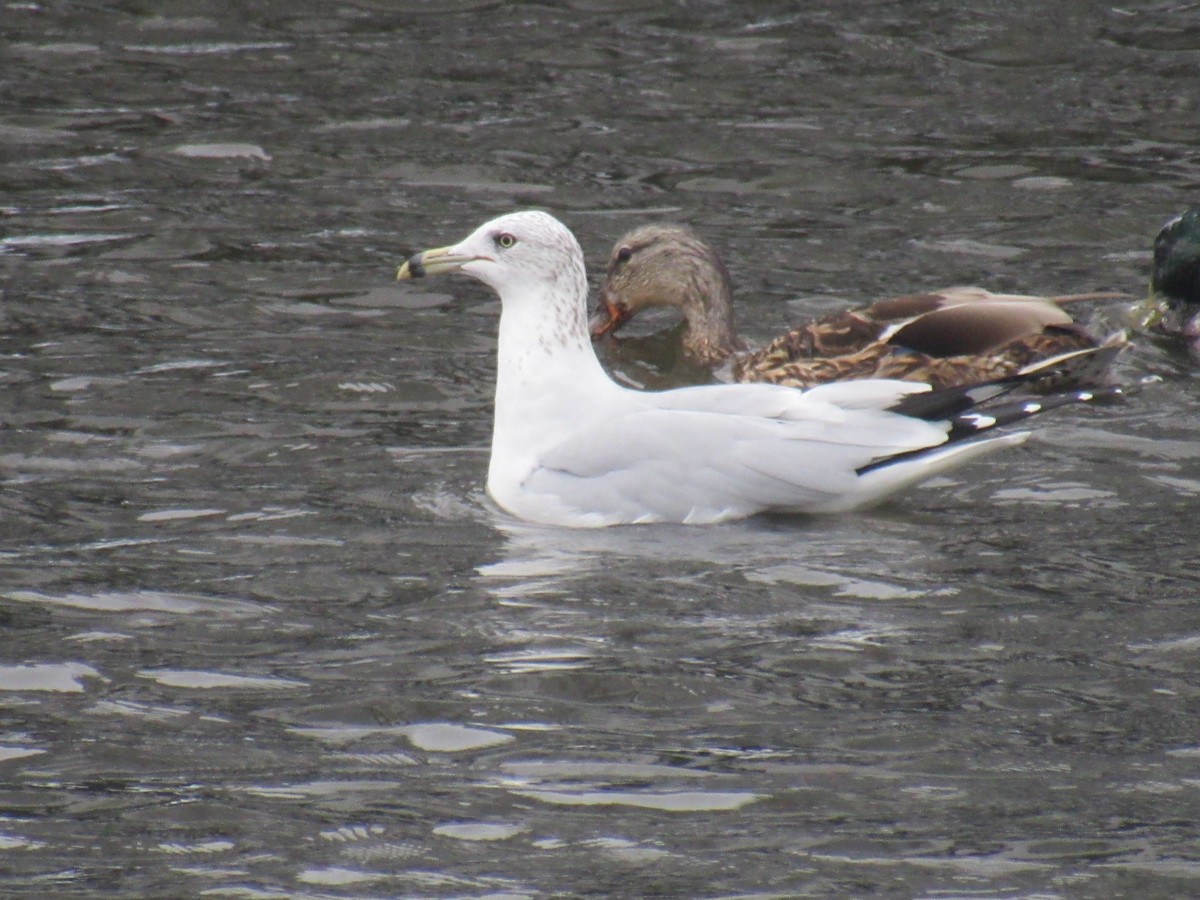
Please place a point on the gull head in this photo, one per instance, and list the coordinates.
(517, 254)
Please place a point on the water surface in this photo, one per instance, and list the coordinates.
(266, 637)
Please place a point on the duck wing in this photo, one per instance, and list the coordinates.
(954, 336)
(975, 328)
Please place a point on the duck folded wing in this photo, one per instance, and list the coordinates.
(979, 327)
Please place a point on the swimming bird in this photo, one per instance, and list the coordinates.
(572, 447)
(1173, 308)
(956, 336)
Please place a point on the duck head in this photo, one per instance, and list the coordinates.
(1175, 280)
(669, 265)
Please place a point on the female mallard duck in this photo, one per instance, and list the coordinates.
(1173, 308)
(948, 338)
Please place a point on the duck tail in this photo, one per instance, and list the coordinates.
(1094, 295)
(1077, 367)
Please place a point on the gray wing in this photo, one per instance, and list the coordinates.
(700, 464)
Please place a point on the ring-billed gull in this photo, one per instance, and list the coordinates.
(572, 447)
(950, 337)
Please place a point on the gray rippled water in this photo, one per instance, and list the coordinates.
(264, 635)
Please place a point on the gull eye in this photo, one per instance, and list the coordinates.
(505, 240)
(624, 254)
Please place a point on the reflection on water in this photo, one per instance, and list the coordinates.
(265, 635)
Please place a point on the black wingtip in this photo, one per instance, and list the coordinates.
(947, 402)
(968, 424)
(970, 416)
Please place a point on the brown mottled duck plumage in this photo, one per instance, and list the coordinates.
(946, 338)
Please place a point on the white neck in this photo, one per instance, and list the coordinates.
(547, 372)
(545, 354)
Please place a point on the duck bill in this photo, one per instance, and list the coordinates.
(1147, 314)
(607, 318)
(433, 262)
